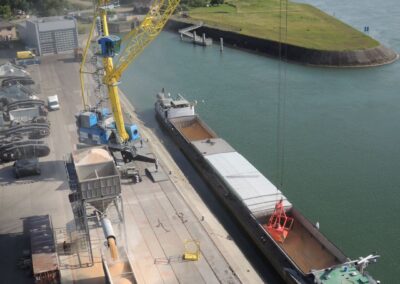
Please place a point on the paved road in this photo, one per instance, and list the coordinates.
(47, 194)
(158, 216)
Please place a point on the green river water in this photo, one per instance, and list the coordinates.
(340, 127)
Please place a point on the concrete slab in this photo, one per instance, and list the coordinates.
(212, 146)
(234, 257)
(157, 174)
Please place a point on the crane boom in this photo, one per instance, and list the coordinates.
(112, 84)
(134, 44)
(148, 30)
(84, 56)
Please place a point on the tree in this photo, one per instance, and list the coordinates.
(23, 5)
(40, 7)
(194, 3)
(216, 2)
(49, 7)
(5, 11)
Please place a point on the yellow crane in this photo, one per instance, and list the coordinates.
(134, 43)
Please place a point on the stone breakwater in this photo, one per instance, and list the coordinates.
(376, 56)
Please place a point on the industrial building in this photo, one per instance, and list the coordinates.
(120, 26)
(52, 35)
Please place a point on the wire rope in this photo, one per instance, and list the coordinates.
(282, 90)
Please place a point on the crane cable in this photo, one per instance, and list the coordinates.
(82, 70)
(282, 91)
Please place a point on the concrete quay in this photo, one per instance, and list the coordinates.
(159, 217)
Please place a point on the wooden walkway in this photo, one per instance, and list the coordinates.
(193, 37)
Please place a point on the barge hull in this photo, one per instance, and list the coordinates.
(213, 157)
(297, 250)
(253, 229)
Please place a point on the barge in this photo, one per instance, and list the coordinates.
(294, 246)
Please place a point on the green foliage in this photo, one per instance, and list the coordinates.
(306, 26)
(39, 7)
(5, 12)
(182, 8)
(23, 5)
(49, 7)
(216, 2)
(194, 3)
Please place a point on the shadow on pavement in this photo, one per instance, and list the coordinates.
(51, 171)
(12, 247)
(68, 60)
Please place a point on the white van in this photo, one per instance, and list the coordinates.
(53, 103)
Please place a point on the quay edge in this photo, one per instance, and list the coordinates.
(376, 56)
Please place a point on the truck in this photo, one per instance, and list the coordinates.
(25, 58)
(53, 103)
(45, 264)
(26, 54)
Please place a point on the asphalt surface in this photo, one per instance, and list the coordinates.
(159, 217)
(47, 193)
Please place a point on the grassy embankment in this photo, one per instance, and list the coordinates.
(307, 26)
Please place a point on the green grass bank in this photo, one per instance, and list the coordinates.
(307, 26)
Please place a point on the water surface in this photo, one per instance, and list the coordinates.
(340, 128)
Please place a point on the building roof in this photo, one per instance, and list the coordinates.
(53, 23)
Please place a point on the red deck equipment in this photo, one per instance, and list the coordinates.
(279, 224)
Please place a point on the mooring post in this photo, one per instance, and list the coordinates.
(181, 36)
(194, 36)
(204, 39)
(221, 44)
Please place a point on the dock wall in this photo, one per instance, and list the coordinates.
(379, 55)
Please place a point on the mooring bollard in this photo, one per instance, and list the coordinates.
(221, 44)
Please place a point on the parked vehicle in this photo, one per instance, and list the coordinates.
(53, 103)
(26, 167)
(26, 54)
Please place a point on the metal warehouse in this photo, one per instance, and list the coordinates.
(52, 35)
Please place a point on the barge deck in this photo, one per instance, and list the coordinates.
(301, 254)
